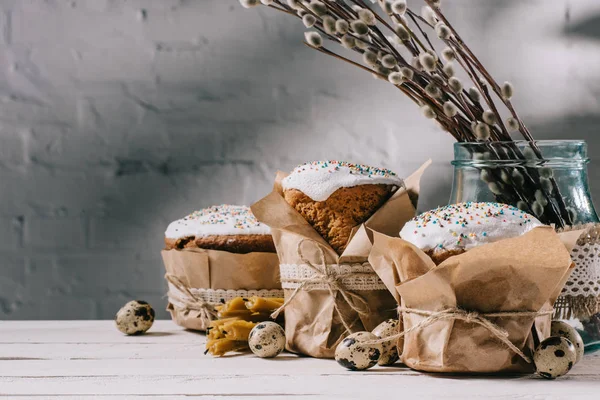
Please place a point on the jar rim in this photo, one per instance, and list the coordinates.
(543, 142)
(558, 153)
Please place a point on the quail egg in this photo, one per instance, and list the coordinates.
(353, 353)
(389, 354)
(135, 317)
(561, 328)
(554, 357)
(267, 339)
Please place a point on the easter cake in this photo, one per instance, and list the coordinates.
(456, 228)
(336, 196)
(224, 227)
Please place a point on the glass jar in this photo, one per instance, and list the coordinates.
(546, 178)
(512, 173)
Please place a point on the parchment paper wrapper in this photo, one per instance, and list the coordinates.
(226, 274)
(523, 274)
(312, 325)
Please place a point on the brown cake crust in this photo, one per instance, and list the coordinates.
(439, 257)
(240, 244)
(346, 208)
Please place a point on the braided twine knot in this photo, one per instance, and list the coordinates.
(183, 299)
(330, 276)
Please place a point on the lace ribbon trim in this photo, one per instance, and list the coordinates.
(352, 277)
(218, 296)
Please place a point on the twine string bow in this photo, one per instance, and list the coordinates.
(183, 298)
(472, 317)
(324, 273)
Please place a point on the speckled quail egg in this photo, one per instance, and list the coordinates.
(135, 317)
(561, 328)
(267, 339)
(353, 353)
(554, 357)
(389, 354)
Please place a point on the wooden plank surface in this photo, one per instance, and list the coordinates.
(91, 359)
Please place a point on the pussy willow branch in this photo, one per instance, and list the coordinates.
(466, 112)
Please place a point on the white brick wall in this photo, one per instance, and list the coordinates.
(117, 117)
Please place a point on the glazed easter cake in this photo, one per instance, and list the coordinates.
(224, 227)
(336, 196)
(214, 255)
(454, 229)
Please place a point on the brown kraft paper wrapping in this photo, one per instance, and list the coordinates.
(523, 274)
(219, 270)
(312, 324)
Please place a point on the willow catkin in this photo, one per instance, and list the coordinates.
(367, 17)
(450, 109)
(518, 178)
(396, 78)
(512, 124)
(507, 90)
(359, 27)
(486, 176)
(537, 209)
(348, 41)
(427, 61)
(448, 54)
(389, 61)
(482, 131)
(309, 20)
(428, 112)
(546, 172)
(433, 90)
(318, 8)
(455, 84)
(314, 39)
(342, 26)
(541, 198)
(329, 25)
(249, 3)
(399, 7)
(449, 69)
(295, 4)
(489, 117)
(443, 31)
(402, 33)
(370, 58)
(363, 43)
(407, 73)
(428, 15)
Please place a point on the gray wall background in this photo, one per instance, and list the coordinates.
(117, 117)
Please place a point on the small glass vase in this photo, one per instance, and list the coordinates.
(545, 178)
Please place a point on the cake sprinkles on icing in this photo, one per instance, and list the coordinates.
(466, 225)
(217, 220)
(320, 179)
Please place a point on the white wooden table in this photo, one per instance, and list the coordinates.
(92, 360)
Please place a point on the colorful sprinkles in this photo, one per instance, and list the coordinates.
(469, 222)
(357, 169)
(241, 216)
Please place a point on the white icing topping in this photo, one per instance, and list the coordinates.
(320, 179)
(466, 225)
(217, 220)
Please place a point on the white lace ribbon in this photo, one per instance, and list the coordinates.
(189, 299)
(352, 277)
(580, 297)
